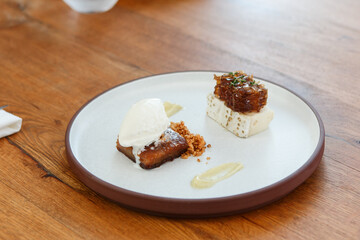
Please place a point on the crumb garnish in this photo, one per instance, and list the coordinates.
(196, 142)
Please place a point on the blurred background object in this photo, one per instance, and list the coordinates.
(91, 6)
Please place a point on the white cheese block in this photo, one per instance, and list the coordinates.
(241, 124)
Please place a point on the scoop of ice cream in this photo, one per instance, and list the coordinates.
(144, 123)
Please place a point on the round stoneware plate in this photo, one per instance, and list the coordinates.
(275, 161)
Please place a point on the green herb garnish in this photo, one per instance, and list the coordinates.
(234, 82)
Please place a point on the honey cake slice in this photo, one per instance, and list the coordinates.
(170, 146)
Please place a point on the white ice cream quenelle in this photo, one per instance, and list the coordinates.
(143, 124)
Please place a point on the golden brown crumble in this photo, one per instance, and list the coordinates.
(196, 142)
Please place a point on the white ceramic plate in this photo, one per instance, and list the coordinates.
(293, 138)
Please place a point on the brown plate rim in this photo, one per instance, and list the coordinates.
(194, 208)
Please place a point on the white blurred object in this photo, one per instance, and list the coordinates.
(91, 6)
(9, 123)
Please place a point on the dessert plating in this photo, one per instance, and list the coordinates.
(147, 137)
(239, 104)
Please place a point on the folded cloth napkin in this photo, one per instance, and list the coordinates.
(9, 123)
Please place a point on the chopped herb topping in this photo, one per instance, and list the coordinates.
(234, 82)
(239, 78)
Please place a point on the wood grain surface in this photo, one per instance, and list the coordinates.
(53, 60)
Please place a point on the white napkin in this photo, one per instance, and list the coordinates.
(9, 123)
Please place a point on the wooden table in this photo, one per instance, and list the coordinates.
(53, 60)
